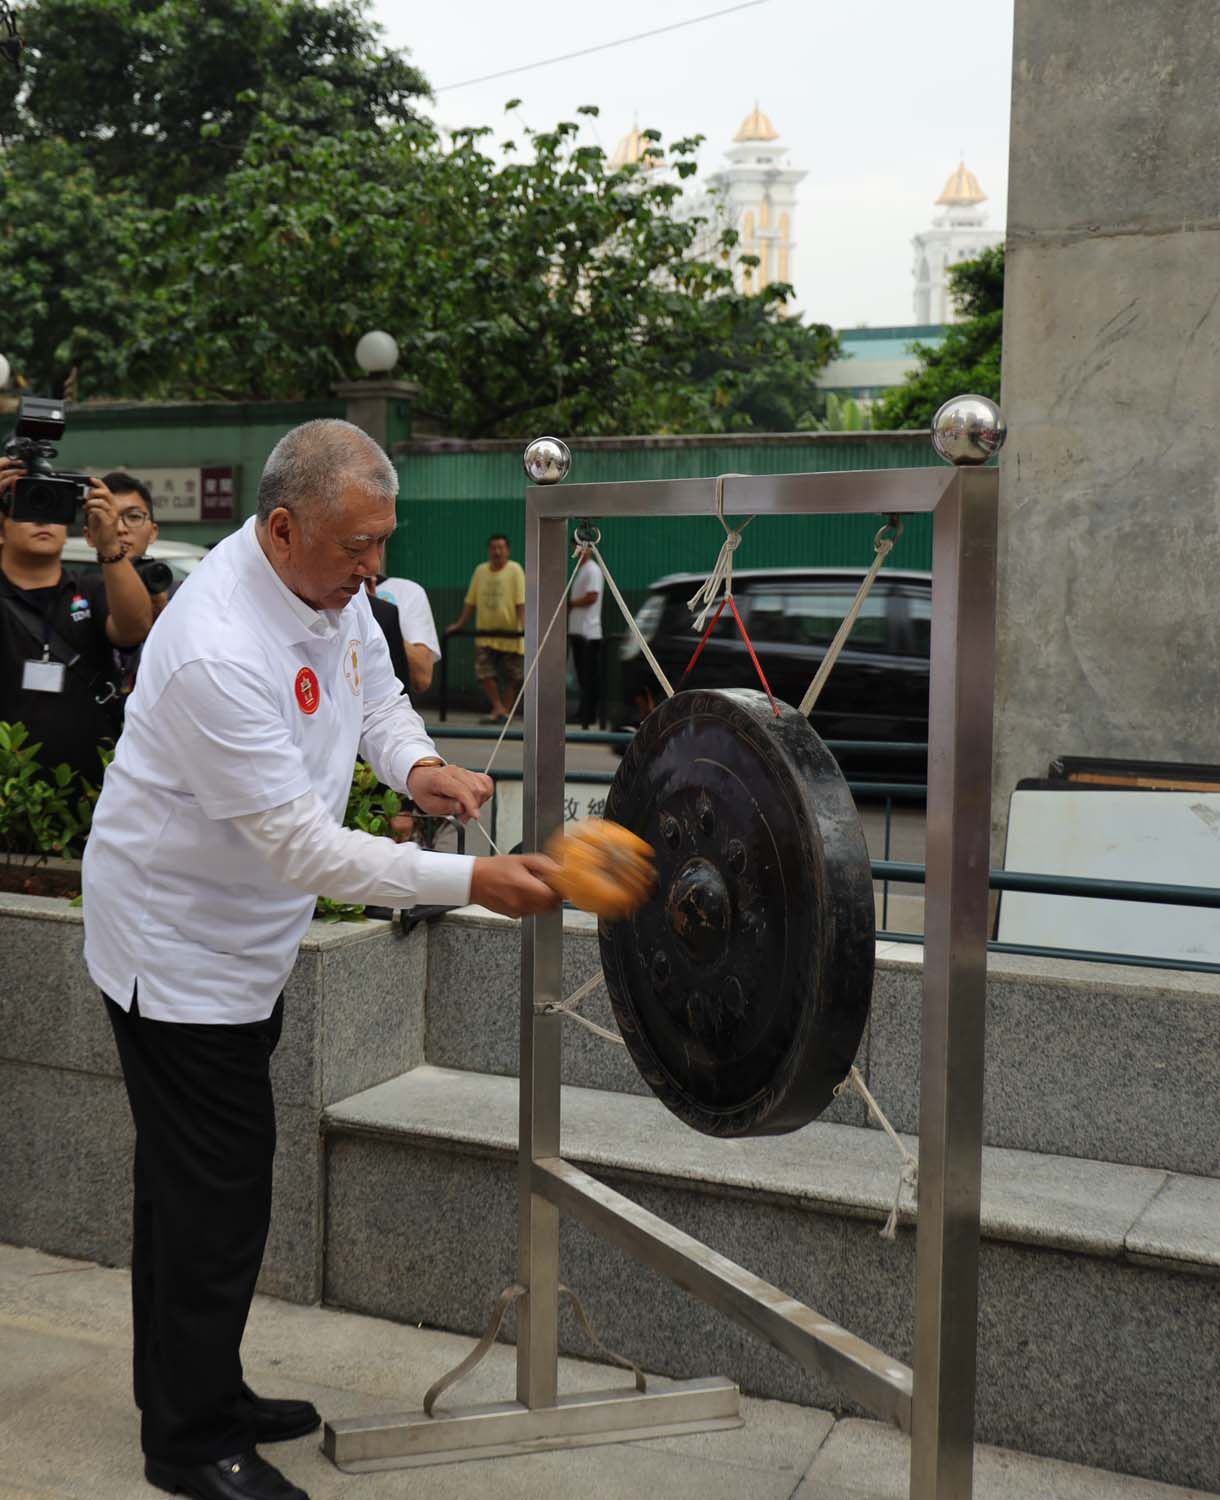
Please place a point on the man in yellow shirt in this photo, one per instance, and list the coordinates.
(496, 597)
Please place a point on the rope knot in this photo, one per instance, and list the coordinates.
(733, 541)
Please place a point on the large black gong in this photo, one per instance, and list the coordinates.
(742, 987)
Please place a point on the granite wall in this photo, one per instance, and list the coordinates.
(1108, 633)
(353, 1017)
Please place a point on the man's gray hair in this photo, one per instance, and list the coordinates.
(311, 466)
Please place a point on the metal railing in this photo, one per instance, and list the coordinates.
(888, 872)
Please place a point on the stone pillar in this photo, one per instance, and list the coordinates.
(1109, 564)
(385, 409)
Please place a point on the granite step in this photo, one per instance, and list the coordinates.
(1096, 1061)
(1099, 1281)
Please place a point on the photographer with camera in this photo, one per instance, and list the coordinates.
(58, 632)
(138, 530)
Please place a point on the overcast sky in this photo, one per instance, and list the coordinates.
(875, 99)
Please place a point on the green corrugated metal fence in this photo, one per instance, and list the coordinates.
(454, 494)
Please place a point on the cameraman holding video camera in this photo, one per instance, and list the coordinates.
(58, 632)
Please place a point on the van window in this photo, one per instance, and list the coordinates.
(810, 617)
(678, 620)
(919, 609)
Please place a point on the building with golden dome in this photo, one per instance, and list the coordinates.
(755, 191)
(632, 148)
(958, 233)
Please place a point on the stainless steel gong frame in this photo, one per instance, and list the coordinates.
(935, 1400)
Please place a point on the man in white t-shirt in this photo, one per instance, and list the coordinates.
(585, 633)
(217, 826)
(419, 637)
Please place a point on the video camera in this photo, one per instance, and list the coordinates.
(43, 494)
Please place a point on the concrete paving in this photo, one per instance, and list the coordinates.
(68, 1427)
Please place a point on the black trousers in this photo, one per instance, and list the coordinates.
(587, 659)
(205, 1140)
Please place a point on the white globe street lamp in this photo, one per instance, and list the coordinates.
(5, 371)
(377, 353)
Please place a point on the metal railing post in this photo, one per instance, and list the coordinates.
(444, 704)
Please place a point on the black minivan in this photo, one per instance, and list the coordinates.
(877, 692)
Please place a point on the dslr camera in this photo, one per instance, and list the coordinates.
(157, 577)
(42, 493)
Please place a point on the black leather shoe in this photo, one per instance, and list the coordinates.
(277, 1421)
(245, 1476)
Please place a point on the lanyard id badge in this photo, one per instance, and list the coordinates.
(45, 676)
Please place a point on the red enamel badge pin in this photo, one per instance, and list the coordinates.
(308, 693)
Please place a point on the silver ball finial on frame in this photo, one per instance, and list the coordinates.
(547, 460)
(968, 430)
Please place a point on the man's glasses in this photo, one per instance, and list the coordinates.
(134, 517)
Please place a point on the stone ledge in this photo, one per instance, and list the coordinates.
(1097, 1061)
(1180, 1228)
(1092, 1208)
(320, 935)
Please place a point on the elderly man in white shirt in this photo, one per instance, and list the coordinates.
(218, 825)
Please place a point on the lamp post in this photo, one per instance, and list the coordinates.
(379, 404)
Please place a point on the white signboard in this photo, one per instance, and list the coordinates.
(187, 494)
(1165, 838)
(176, 493)
(581, 799)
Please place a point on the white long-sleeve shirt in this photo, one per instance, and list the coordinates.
(305, 848)
(219, 819)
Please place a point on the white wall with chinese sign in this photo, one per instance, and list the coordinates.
(180, 494)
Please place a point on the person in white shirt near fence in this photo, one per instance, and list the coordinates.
(585, 634)
(418, 628)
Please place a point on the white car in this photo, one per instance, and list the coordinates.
(80, 557)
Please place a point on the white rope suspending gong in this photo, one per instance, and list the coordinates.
(525, 682)
(629, 619)
(720, 579)
(908, 1172)
(883, 545)
(569, 1009)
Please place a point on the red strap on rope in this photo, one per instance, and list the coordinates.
(703, 642)
(762, 676)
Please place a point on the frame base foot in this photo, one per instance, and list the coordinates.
(363, 1445)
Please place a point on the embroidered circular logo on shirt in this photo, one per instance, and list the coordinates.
(309, 695)
(351, 666)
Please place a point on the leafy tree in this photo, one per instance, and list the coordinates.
(845, 414)
(760, 373)
(167, 92)
(216, 200)
(529, 284)
(969, 357)
(66, 254)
